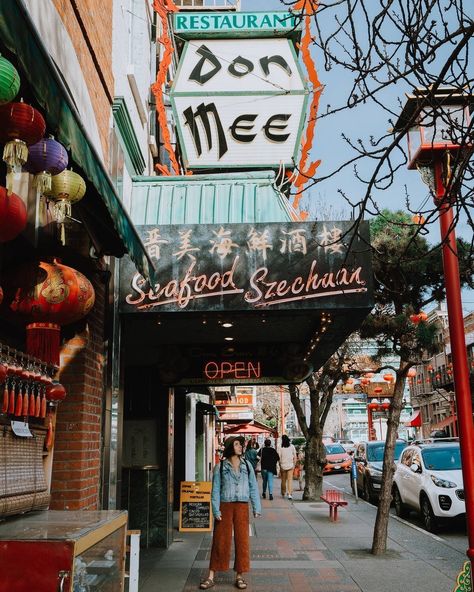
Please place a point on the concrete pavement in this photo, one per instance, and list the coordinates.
(295, 548)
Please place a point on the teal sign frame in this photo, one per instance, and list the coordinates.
(236, 24)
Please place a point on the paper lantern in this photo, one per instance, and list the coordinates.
(388, 377)
(55, 392)
(418, 219)
(9, 81)
(378, 389)
(49, 294)
(20, 126)
(422, 316)
(13, 215)
(411, 373)
(67, 188)
(46, 158)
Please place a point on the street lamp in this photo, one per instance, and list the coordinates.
(437, 124)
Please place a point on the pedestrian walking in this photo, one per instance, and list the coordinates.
(234, 485)
(300, 466)
(251, 454)
(287, 454)
(268, 462)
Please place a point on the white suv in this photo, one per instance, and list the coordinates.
(428, 479)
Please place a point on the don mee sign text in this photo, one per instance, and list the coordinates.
(239, 103)
(246, 267)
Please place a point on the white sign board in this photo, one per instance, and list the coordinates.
(239, 103)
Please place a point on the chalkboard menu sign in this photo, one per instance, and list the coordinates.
(195, 506)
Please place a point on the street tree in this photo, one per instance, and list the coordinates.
(408, 274)
(321, 386)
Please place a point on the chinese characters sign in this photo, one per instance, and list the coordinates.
(239, 103)
(243, 267)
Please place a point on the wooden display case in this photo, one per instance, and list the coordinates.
(60, 551)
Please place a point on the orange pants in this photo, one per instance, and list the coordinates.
(234, 514)
(286, 476)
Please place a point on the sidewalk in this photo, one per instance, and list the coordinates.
(295, 548)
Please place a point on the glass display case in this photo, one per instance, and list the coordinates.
(61, 551)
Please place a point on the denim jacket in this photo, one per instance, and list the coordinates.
(235, 487)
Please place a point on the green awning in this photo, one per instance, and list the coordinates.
(226, 198)
(19, 34)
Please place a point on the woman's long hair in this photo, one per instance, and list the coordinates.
(285, 441)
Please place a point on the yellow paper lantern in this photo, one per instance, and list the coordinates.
(67, 188)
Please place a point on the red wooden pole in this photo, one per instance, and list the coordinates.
(462, 388)
(370, 423)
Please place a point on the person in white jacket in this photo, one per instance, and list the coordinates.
(287, 454)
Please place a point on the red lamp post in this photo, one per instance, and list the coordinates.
(435, 140)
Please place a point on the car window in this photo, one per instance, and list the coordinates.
(442, 459)
(406, 457)
(334, 449)
(375, 452)
(416, 460)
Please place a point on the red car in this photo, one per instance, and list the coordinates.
(338, 461)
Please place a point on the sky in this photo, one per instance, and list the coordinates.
(331, 149)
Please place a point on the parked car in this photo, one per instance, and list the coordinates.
(428, 479)
(348, 445)
(338, 461)
(369, 461)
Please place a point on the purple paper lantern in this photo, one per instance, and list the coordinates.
(46, 158)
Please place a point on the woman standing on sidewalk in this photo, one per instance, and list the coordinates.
(233, 485)
(287, 454)
(268, 461)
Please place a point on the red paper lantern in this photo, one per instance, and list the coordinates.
(50, 294)
(415, 319)
(388, 377)
(12, 215)
(372, 406)
(411, 373)
(378, 389)
(55, 392)
(20, 126)
(422, 316)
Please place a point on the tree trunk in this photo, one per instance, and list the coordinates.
(379, 542)
(314, 464)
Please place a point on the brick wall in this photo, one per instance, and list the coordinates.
(77, 450)
(89, 24)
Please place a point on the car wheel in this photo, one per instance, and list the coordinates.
(400, 509)
(367, 493)
(427, 515)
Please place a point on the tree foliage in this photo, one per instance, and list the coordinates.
(406, 277)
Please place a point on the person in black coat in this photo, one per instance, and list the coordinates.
(268, 462)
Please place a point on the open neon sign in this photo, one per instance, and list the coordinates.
(238, 370)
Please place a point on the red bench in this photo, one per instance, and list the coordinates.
(335, 499)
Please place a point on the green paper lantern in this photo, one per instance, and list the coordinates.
(9, 81)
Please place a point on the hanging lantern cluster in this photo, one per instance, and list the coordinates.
(67, 188)
(13, 216)
(9, 81)
(48, 295)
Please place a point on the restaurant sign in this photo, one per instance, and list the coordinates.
(250, 267)
(239, 103)
(235, 23)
